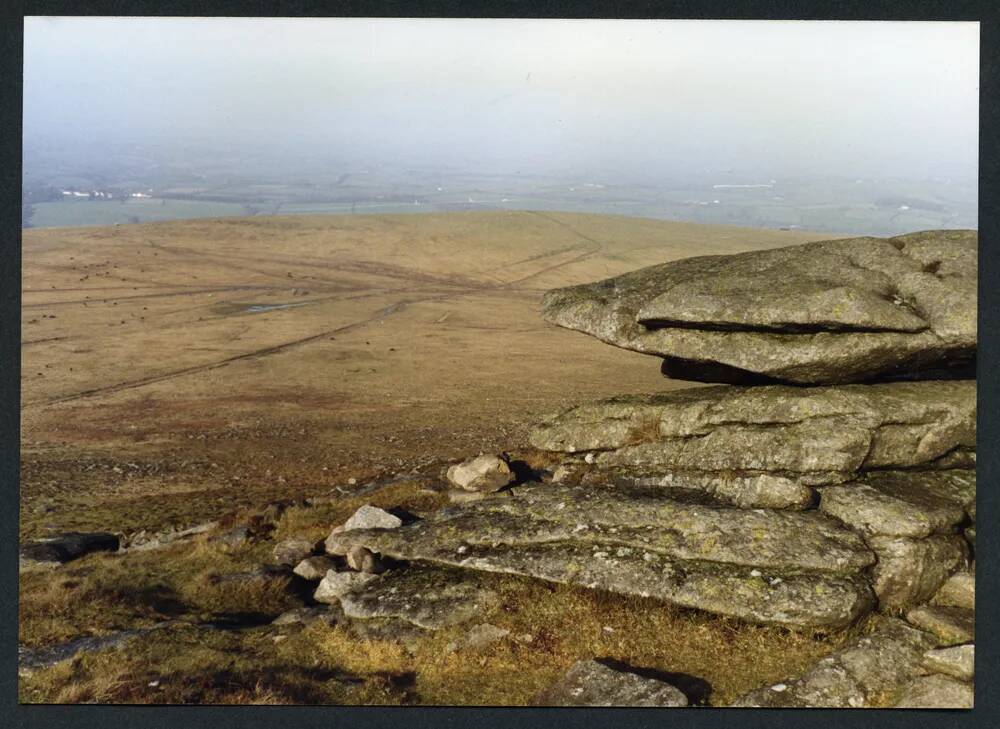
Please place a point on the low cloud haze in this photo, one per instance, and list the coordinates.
(645, 97)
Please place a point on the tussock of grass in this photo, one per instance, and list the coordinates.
(264, 596)
(105, 592)
(192, 666)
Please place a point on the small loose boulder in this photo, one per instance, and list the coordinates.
(314, 568)
(366, 517)
(482, 473)
(337, 584)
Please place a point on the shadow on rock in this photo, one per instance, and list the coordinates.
(697, 690)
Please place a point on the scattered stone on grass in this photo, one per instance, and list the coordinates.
(330, 614)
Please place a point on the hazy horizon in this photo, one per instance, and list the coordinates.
(638, 117)
(789, 97)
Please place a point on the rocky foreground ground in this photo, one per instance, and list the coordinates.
(827, 487)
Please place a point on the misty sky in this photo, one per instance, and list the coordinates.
(673, 97)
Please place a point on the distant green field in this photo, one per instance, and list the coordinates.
(64, 213)
(836, 207)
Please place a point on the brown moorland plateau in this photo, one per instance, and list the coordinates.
(180, 373)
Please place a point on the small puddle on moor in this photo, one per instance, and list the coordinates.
(229, 309)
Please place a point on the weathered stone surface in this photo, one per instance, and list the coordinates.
(958, 661)
(292, 551)
(426, 596)
(366, 517)
(482, 473)
(862, 674)
(826, 312)
(959, 590)
(817, 435)
(910, 571)
(314, 568)
(478, 637)
(69, 546)
(790, 568)
(937, 692)
(590, 683)
(951, 625)
(758, 491)
(911, 504)
(372, 517)
(336, 584)
(459, 496)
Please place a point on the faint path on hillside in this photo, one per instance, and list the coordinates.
(595, 247)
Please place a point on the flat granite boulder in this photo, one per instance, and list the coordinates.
(911, 504)
(429, 597)
(591, 683)
(787, 568)
(816, 435)
(827, 312)
(863, 674)
(746, 491)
